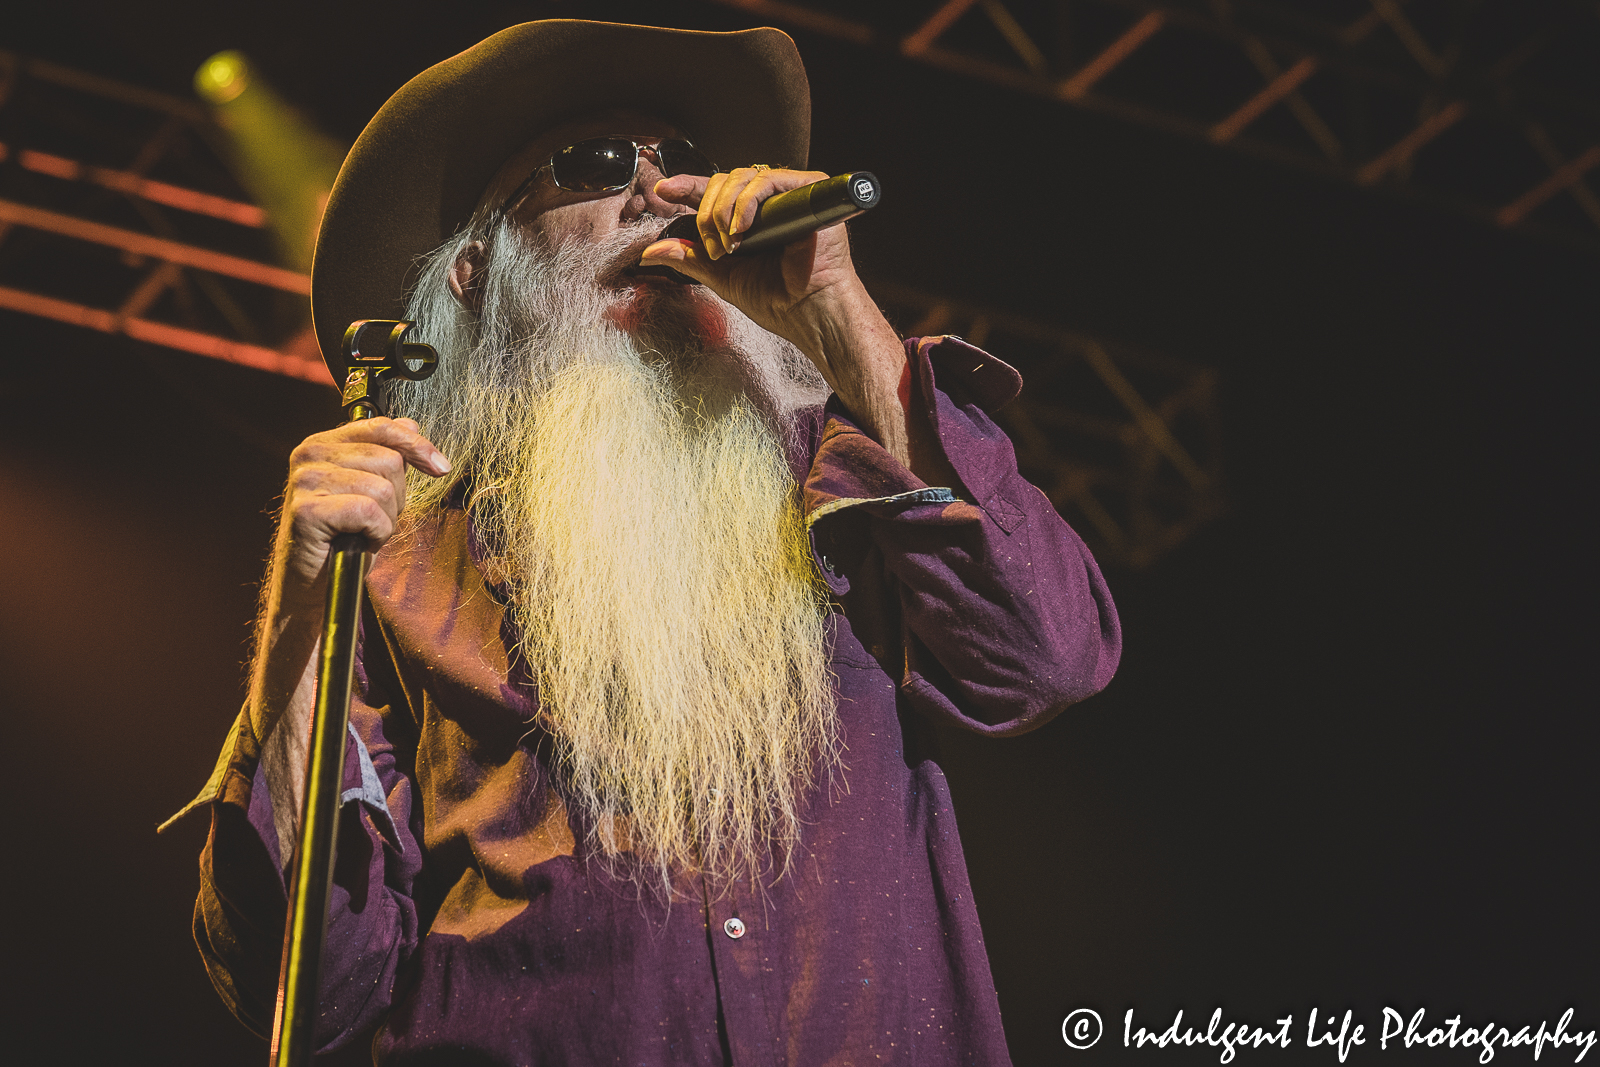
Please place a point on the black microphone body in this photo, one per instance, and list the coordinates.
(787, 217)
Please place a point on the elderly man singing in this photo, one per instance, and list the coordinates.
(672, 581)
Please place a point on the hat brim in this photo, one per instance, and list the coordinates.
(417, 171)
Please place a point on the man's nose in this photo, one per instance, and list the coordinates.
(643, 199)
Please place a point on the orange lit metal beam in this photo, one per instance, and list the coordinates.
(1425, 57)
(136, 95)
(1276, 90)
(941, 20)
(122, 181)
(1101, 65)
(1566, 175)
(1076, 89)
(1319, 131)
(1015, 36)
(1555, 161)
(155, 247)
(159, 333)
(1407, 146)
(1151, 423)
(818, 21)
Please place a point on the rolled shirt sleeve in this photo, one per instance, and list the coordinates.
(245, 869)
(1004, 616)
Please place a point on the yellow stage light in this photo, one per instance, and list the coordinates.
(284, 162)
(222, 77)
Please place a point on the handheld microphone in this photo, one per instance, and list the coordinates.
(787, 217)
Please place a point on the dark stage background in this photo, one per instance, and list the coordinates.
(1347, 763)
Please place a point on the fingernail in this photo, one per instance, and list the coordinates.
(441, 463)
(671, 248)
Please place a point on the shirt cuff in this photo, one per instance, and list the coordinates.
(851, 470)
(235, 767)
(243, 767)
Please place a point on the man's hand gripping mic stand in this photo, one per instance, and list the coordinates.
(375, 351)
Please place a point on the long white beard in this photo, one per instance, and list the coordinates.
(639, 504)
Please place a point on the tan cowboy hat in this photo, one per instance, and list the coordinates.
(418, 169)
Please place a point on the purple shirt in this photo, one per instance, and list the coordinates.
(466, 920)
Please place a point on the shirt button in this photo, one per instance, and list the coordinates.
(734, 928)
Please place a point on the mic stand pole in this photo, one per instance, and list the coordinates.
(387, 356)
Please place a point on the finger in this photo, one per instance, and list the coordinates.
(380, 460)
(728, 195)
(704, 222)
(318, 480)
(402, 435)
(324, 501)
(748, 202)
(382, 477)
(318, 520)
(357, 455)
(683, 256)
(686, 189)
(721, 206)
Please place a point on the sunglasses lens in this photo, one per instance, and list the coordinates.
(681, 157)
(595, 166)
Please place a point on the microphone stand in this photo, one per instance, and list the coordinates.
(375, 351)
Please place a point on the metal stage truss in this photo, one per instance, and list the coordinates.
(1126, 443)
(1489, 108)
(118, 214)
(102, 224)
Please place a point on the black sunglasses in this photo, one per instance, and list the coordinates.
(606, 164)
